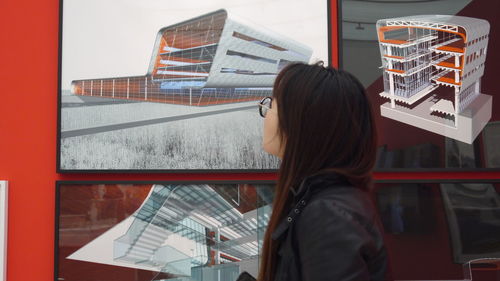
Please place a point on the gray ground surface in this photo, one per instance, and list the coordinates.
(155, 136)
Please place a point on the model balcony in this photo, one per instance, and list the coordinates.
(446, 81)
(449, 50)
(448, 47)
(407, 43)
(448, 65)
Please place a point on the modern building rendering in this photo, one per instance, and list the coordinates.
(211, 59)
(421, 54)
(190, 232)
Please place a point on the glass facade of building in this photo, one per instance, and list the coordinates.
(202, 61)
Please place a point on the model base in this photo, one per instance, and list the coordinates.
(465, 128)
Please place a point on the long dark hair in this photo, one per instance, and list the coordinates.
(325, 123)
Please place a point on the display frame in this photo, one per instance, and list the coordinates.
(59, 184)
(437, 182)
(475, 145)
(61, 170)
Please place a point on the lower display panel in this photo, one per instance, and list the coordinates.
(213, 231)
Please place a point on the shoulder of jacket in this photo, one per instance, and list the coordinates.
(344, 196)
(342, 202)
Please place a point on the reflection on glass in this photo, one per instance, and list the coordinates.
(406, 208)
(491, 139)
(473, 212)
(459, 154)
(416, 156)
(450, 229)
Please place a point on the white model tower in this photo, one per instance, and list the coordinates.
(422, 53)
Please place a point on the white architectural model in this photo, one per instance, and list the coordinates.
(423, 53)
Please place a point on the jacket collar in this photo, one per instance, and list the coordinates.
(302, 195)
(325, 178)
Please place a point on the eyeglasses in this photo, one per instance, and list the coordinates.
(265, 105)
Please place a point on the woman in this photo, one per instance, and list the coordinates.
(323, 226)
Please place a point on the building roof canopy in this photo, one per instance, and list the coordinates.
(473, 27)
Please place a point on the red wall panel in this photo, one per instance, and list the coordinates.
(29, 36)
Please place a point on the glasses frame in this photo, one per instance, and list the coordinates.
(264, 107)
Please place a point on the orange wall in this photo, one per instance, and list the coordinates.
(28, 108)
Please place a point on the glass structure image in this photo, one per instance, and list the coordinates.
(188, 232)
(424, 53)
(211, 59)
(132, 231)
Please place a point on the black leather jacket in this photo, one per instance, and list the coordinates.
(332, 233)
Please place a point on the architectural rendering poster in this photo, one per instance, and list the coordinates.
(431, 75)
(213, 231)
(164, 85)
(168, 231)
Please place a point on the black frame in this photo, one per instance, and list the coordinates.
(173, 171)
(340, 66)
(64, 182)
